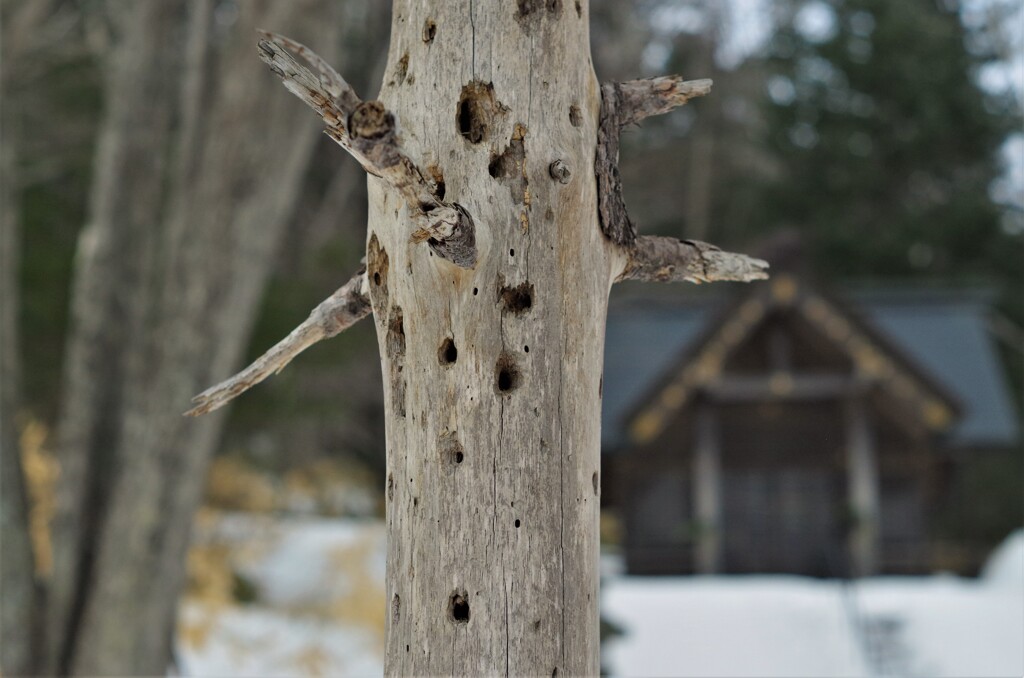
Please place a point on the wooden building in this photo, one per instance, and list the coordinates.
(793, 431)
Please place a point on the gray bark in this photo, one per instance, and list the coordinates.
(184, 218)
(493, 449)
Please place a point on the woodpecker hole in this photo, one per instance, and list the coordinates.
(438, 176)
(594, 481)
(430, 29)
(377, 266)
(403, 68)
(518, 523)
(518, 299)
(476, 111)
(458, 608)
(506, 374)
(575, 117)
(451, 449)
(528, 7)
(447, 354)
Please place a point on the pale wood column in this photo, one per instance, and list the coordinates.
(863, 488)
(707, 491)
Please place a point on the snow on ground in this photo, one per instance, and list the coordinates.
(254, 641)
(317, 598)
(729, 626)
(947, 626)
(791, 626)
(318, 608)
(1006, 565)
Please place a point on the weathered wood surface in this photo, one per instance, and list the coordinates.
(656, 258)
(493, 447)
(492, 362)
(366, 129)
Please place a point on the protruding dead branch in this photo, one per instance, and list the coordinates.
(655, 258)
(347, 306)
(639, 99)
(366, 129)
(625, 103)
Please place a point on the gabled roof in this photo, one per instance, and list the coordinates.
(930, 346)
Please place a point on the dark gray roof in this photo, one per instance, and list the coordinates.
(942, 332)
(948, 338)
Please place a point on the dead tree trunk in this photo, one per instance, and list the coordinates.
(496, 229)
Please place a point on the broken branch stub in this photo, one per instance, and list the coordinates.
(625, 103)
(639, 99)
(656, 258)
(347, 306)
(366, 129)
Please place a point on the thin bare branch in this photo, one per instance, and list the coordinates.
(347, 306)
(657, 258)
(366, 129)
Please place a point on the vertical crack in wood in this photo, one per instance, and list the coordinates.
(504, 586)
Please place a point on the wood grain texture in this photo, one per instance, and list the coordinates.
(491, 339)
(662, 259)
(366, 129)
(492, 375)
(639, 99)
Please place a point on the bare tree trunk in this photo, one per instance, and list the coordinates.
(184, 220)
(493, 443)
(496, 228)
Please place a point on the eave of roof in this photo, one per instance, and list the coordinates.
(905, 323)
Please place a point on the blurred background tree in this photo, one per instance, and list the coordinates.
(876, 129)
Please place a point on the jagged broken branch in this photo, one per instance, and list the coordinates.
(639, 99)
(366, 129)
(655, 258)
(347, 306)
